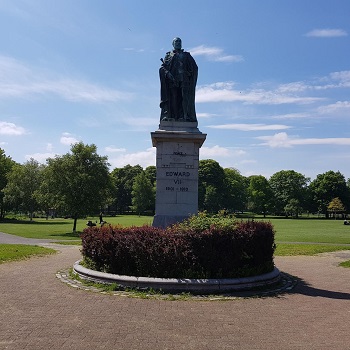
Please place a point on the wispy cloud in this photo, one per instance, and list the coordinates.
(113, 149)
(206, 115)
(339, 108)
(215, 54)
(225, 92)
(218, 151)
(282, 140)
(132, 49)
(11, 129)
(68, 139)
(143, 158)
(20, 80)
(326, 33)
(40, 157)
(292, 116)
(250, 127)
(215, 151)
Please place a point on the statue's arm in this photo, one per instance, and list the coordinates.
(165, 68)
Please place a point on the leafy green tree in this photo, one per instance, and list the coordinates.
(6, 164)
(123, 180)
(336, 206)
(287, 185)
(151, 174)
(79, 181)
(23, 182)
(293, 208)
(261, 197)
(142, 193)
(211, 186)
(327, 186)
(236, 195)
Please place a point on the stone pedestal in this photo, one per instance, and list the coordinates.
(177, 163)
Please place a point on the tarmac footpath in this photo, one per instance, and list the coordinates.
(38, 311)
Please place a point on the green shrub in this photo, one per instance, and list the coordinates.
(201, 247)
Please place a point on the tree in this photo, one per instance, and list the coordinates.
(151, 174)
(142, 193)
(23, 182)
(327, 186)
(293, 208)
(79, 181)
(235, 198)
(6, 164)
(287, 185)
(211, 187)
(336, 206)
(123, 180)
(261, 196)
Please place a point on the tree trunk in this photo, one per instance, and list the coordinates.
(75, 223)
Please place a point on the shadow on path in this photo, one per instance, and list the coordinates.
(304, 288)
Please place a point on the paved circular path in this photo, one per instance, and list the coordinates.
(38, 311)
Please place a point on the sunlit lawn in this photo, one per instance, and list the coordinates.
(306, 249)
(311, 230)
(11, 252)
(331, 232)
(58, 229)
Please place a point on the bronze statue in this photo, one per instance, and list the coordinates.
(178, 78)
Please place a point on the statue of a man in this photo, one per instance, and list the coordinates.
(178, 78)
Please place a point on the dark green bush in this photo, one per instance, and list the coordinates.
(201, 247)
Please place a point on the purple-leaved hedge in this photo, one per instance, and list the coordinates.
(215, 249)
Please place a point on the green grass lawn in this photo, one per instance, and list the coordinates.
(306, 249)
(11, 252)
(311, 230)
(58, 229)
(331, 232)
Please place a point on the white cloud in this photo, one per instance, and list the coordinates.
(143, 158)
(215, 54)
(298, 86)
(224, 92)
(206, 115)
(292, 116)
(11, 129)
(282, 139)
(250, 127)
(133, 49)
(338, 108)
(215, 151)
(20, 80)
(40, 157)
(113, 149)
(68, 139)
(139, 122)
(326, 33)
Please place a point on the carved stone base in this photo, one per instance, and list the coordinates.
(177, 164)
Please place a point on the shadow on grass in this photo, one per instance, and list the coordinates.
(33, 222)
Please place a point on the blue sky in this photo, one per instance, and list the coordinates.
(273, 90)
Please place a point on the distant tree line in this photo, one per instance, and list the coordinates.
(80, 183)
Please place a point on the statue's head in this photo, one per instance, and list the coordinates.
(177, 43)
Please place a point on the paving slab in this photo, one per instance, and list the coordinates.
(38, 311)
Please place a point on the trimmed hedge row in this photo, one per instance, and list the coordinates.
(181, 251)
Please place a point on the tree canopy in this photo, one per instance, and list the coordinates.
(79, 181)
(23, 183)
(287, 185)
